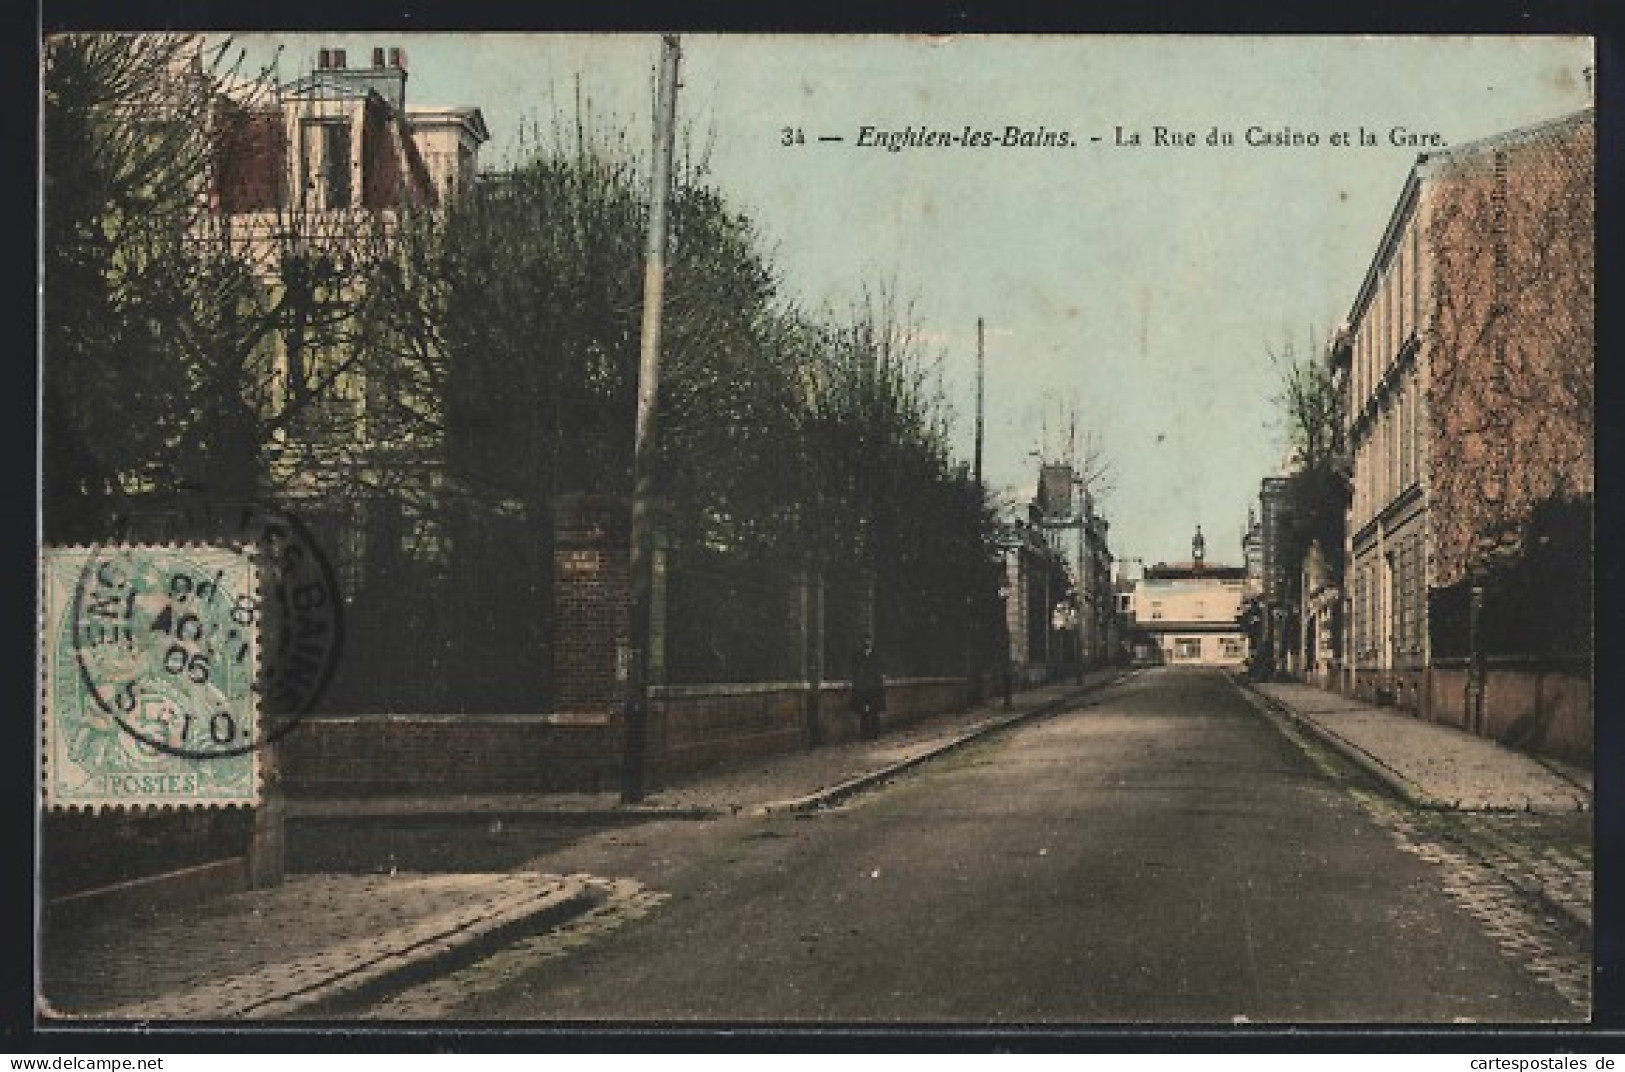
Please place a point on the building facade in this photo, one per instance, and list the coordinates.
(1060, 606)
(1190, 612)
(1467, 365)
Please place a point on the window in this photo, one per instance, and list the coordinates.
(1402, 281)
(1188, 648)
(1415, 430)
(1387, 293)
(324, 153)
(1402, 438)
(1416, 276)
(1393, 449)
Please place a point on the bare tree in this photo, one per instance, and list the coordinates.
(1065, 437)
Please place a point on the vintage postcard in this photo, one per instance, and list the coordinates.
(867, 530)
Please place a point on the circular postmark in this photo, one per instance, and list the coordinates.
(191, 652)
(302, 626)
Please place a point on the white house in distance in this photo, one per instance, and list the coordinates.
(1189, 612)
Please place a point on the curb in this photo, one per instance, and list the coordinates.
(573, 897)
(1397, 783)
(832, 795)
(415, 952)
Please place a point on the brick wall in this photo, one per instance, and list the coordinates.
(692, 728)
(360, 755)
(590, 600)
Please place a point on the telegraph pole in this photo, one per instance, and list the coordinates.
(980, 381)
(643, 466)
(975, 624)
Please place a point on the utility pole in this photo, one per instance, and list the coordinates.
(980, 380)
(975, 623)
(643, 466)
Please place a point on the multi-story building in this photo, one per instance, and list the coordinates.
(1035, 579)
(341, 139)
(1085, 611)
(311, 182)
(1467, 369)
(1191, 611)
(1060, 608)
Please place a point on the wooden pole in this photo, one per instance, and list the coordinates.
(643, 480)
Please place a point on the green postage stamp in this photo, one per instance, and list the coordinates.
(150, 667)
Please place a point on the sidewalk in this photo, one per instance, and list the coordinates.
(1528, 819)
(1432, 765)
(296, 949)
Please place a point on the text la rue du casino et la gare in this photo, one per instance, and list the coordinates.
(1259, 136)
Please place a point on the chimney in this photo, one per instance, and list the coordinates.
(386, 76)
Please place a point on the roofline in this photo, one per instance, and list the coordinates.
(1409, 193)
(1516, 133)
(471, 118)
(1404, 209)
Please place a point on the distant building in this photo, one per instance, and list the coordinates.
(1252, 553)
(1275, 590)
(1035, 577)
(1190, 611)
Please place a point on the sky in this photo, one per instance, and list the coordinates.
(1134, 291)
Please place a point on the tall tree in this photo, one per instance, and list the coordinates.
(124, 161)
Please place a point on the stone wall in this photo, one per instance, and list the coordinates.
(1543, 710)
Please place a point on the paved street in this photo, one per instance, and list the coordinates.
(1168, 851)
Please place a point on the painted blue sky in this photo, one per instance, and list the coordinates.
(1142, 288)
